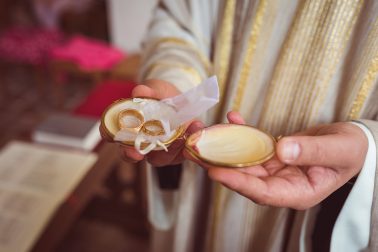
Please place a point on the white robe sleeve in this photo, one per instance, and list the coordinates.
(178, 44)
(177, 49)
(352, 228)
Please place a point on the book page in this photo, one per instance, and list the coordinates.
(34, 181)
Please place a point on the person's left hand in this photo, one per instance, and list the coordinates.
(159, 89)
(308, 166)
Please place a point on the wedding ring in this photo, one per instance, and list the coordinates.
(130, 119)
(153, 128)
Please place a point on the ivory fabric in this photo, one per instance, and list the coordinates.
(353, 222)
(285, 66)
(373, 240)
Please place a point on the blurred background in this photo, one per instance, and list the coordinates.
(71, 58)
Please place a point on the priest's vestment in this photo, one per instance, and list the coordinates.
(285, 66)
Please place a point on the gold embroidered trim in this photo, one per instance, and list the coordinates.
(351, 11)
(309, 59)
(181, 42)
(283, 72)
(221, 66)
(369, 78)
(252, 41)
(305, 38)
(310, 72)
(188, 69)
(365, 89)
(224, 51)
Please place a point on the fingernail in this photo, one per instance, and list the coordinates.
(291, 151)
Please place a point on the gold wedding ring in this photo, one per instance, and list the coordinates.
(130, 119)
(133, 120)
(110, 125)
(153, 128)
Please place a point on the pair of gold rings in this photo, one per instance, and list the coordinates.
(133, 120)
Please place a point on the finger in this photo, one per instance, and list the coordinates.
(273, 165)
(162, 89)
(334, 151)
(235, 117)
(194, 127)
(132, 154)
(127, 159)
(257, 170)
(247, 185)
(143, 91)
(270, 190)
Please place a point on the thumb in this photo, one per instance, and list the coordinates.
(235, 117)
(157, 89)
(327, 150)
(143, 91)
(194, 127)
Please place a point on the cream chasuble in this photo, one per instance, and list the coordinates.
(286, 66)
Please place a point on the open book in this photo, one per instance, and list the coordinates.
(34, 181)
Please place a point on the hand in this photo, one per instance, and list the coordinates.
(308, 166)
(158, 89)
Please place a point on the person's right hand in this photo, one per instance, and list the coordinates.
(158, 89)
(308, 167)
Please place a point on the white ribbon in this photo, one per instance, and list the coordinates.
(186, 106)
(153, 144)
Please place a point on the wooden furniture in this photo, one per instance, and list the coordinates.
(90, 191)
(94, 197)
(62, 70)
(71, 209)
